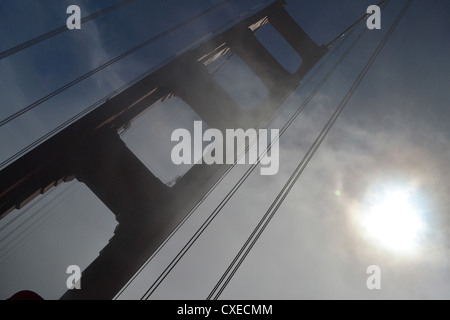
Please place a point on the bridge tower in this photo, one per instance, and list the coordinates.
(91, 151)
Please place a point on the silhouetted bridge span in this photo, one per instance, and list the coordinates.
(91, 151)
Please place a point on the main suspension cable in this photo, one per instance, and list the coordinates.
(61, 29)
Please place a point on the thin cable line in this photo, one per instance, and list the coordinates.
(26, 209)
(35, 227)
(61, 29)
(35, 215)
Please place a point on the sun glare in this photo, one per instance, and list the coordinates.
(393, 222)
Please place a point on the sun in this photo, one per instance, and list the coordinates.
(393, 222)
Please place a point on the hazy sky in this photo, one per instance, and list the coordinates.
(393, 137)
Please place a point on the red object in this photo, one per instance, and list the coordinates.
(25, 295)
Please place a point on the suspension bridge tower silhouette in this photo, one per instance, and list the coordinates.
(91, 151)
